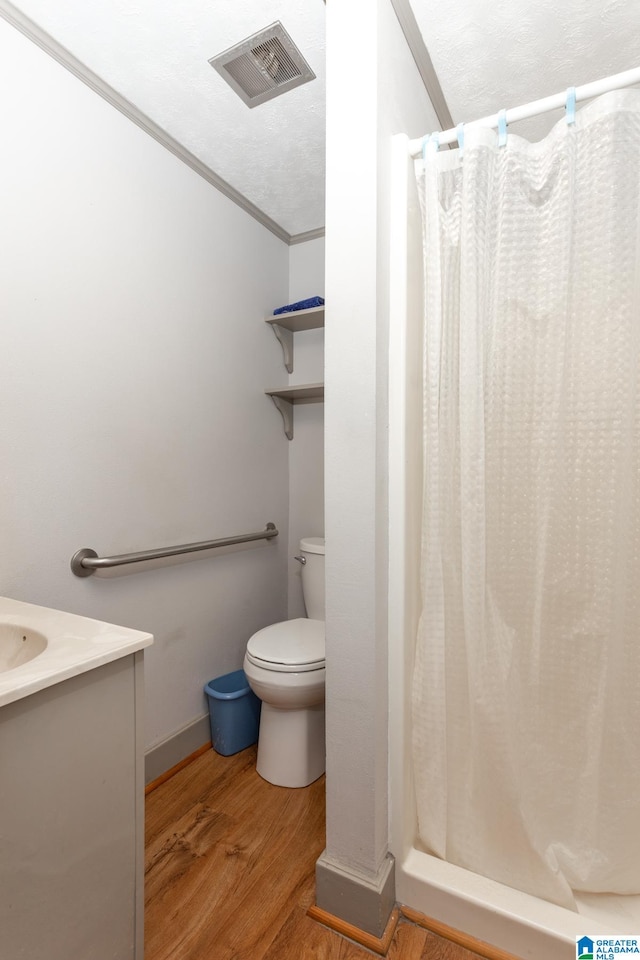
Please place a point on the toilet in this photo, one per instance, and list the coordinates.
(285, 666)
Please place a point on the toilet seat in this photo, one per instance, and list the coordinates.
(293, 646)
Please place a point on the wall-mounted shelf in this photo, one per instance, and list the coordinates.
(285, 398)
(284, 325)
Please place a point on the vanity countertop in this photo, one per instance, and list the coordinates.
(75, 645)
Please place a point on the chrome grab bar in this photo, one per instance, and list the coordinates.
(85, 562)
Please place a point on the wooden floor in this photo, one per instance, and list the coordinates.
(230, 872)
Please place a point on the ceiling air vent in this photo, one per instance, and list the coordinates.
(263, 66)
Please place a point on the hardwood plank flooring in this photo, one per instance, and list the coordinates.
(230, 863)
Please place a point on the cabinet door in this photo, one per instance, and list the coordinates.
(68, 839)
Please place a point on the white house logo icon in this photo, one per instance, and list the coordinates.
(584, 949)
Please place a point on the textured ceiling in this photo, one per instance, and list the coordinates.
(155, 52)
(494, 54)
(488, 54)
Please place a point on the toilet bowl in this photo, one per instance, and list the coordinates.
(285, 666)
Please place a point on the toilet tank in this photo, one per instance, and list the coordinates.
(312, 549)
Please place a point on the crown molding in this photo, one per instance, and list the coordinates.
(66, 59)
(307, 235)
(415, 41)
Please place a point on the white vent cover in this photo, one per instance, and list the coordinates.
(263, 66)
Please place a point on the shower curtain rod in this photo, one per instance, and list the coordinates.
(588, 90)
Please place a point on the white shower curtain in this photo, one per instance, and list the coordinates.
(526, 697)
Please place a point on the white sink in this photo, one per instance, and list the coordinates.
(40, 646)
(18, 645)
(71, 785)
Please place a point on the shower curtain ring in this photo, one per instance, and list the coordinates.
(502, 128)
(570, 105)
(430, 144)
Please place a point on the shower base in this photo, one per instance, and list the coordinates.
(509, 919)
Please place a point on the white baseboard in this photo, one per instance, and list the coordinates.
(175, 748)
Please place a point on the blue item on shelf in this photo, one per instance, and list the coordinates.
(234, 713)
(300, 305)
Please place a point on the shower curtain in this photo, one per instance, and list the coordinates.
(526, 695)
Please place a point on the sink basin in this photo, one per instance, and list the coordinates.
(40, 647)
(18, 645)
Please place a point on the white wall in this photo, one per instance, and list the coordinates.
(306, 450)
(388, 98)
(133, 361)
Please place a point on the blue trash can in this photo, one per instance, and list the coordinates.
(234, 713)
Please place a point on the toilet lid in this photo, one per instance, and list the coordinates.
(293, 644)
(312, 545)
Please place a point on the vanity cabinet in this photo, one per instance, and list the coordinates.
(72, 818)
